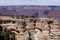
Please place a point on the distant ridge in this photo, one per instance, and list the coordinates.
(30, 10)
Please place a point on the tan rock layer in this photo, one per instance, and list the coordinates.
(35, 29)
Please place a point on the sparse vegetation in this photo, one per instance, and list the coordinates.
(6, 34)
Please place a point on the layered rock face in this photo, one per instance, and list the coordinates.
(34, 28)
(32, 10)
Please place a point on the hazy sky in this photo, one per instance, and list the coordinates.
(29, 2)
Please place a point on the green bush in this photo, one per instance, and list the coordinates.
(6, 34)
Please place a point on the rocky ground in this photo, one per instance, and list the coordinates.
(37, 29)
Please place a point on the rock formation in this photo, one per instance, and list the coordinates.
(33, 28)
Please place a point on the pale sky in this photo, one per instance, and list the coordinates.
(30, 2)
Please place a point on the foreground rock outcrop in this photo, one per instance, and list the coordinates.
(34, 28)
